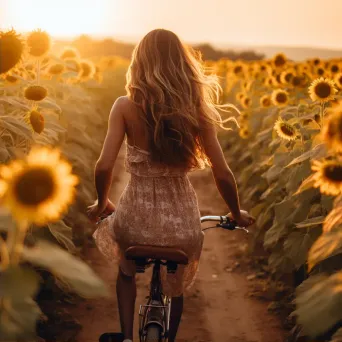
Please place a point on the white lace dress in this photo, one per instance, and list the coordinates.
(158, 207)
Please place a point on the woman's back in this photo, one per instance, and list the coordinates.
(158, 207)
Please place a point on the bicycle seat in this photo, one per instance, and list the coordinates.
(159, 253)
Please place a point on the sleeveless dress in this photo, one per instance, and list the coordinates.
(158, 207)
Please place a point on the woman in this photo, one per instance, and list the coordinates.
(169, 117)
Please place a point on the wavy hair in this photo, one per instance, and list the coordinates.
(168, 81)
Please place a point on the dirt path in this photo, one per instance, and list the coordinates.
(217, 308)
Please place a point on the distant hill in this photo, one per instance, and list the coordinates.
(90, 47)
(295, 53)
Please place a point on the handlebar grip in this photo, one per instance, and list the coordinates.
(230, 225)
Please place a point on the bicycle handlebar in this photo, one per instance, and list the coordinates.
(225, 223)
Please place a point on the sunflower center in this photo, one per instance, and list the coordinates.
(266, 102)
(281, 98)
(279, 61)
(334, 68)
(333, 172)
(237, 69)
(320, 71)
(323, 90)
(287, 130)
(34, 186)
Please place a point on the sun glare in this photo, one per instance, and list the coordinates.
(65, 18)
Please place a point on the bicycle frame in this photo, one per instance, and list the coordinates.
(157, 309)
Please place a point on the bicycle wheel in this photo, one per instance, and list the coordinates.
(153, 333)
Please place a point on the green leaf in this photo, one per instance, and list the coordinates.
(274, 234)
(63, 234)
(279, 262)
(6, 222)
(19, 282)
(18, 320)
(327, 245)
(317, 152)
(319, 307)
(308, 183)
(73, 271)
(283, 210)
(314, 221)
(297, 245)
(13, 125)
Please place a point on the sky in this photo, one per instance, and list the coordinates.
(309, 23)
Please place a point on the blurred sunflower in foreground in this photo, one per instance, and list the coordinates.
(35, 120)
(280, 97)
(285, 130)
(328, 176)
(35, 93)
(322, 90)
(39, 43)
(332, 129)
(11, 50)
(38, 189)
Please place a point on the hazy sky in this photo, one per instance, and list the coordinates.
(253, 22)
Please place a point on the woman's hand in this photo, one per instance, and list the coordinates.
(244, 220)
(94, 211)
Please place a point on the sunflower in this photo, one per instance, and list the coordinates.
(316, 61)
(279, 60)
(39, 43)
(334, 68)
(322, 89)
(328, 176)
(246, 85)
(246, 101)
(35, 93)
(35, 120)
(320, 71)
(285, 130)
(338, 80)
(271, 81)
(38, 189)
(72, 65)
(239, 95)
(280, 97)
(287, 76)
(238, 69)
(87, 70)
(11, 50)
(69, 53)
(56, 69)
(11, 79)
(332, 129)
(244, 132)
(265, 101)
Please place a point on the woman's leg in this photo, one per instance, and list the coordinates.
(126, 291)
(175, 316)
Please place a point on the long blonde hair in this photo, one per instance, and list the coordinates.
(168, 81)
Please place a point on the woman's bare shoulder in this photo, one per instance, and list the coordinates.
(124, 104)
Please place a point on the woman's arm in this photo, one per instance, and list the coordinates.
(222, 174)
(111, 146)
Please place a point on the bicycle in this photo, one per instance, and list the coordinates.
(154, 316)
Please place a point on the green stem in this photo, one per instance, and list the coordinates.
(38, 71)
(18, 243)
(4, 255)
(321, 114)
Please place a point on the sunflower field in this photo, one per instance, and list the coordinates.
(53, 117)
(286, 154)
(287, 159)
